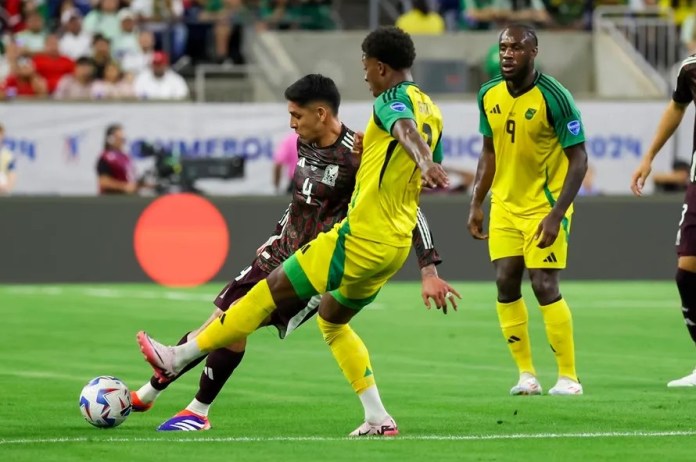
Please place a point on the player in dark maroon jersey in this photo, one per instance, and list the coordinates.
(322, 187)
(115, 168)
(683, 96)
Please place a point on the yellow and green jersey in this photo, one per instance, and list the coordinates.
(388, 182)
(529, 134)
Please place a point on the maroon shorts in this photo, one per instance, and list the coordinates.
(686, 236)
(287, 316)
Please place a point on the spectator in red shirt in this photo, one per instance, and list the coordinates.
(51, 65)
(115, 168)
(25, 82)
(14, 15)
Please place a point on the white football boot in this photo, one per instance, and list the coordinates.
(161, 357)
(566, 386)
(687, 381)
(527, 385)
(385, 428)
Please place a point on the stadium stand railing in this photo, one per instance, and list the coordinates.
(390, 8)
(216, 83)
(648, 36)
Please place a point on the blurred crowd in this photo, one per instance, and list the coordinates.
(434, 17)
(438, 16)
(126, 49)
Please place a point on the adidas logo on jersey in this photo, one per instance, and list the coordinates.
(551, 258)
(495, 110)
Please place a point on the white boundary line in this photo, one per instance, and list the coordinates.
(184, 295)
(261, 439)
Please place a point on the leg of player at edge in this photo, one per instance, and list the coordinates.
(682, 97)
(248, 314)
(686, 283)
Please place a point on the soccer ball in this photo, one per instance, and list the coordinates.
(105, 402)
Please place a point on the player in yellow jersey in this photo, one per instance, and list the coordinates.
(350, 263)
(533, 162)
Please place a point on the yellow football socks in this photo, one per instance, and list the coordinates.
(350, 353)
(559, 331)
(514, 321)
(240, 320)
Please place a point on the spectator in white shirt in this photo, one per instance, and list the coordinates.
(103, 19)
(160, 82)
(126, 42)
(164, 19)
(31, 40)
(74, 43)
(138, 61)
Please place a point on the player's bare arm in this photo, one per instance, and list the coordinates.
(433, 287)
(485, 171)
(548, 229)
(406, 133)
(671, 118)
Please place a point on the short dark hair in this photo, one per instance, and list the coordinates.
(313, 88)
(84, 60)
(422, 6)
(100, 38)
(390, 45)
(528, 30)
(110, 130)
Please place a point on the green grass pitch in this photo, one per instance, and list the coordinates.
(444, 378)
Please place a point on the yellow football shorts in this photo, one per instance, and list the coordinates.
(353, 270)
(513, 236)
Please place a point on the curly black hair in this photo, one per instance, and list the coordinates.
(390, 45)
(312, 88)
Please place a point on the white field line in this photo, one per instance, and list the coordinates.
(111, 293)
(186, 296)
(261, 439)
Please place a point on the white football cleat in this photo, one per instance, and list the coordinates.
(528, 385)
(566, 386)
(386, 428)
(687, 381)
(160, 357)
